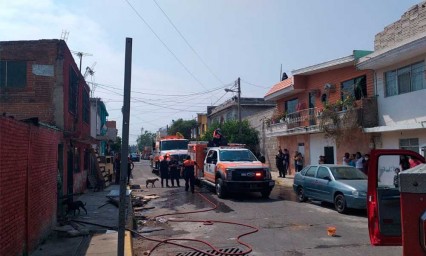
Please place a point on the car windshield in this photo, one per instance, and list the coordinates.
(174, 144)
(237, 155)
(347, 173)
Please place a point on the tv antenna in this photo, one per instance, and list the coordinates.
(64, 35)
(89, 71)
(80, 56)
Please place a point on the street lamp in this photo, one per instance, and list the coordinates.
(237, 83)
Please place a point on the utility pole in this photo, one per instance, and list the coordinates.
(124, 147)
(239, 105)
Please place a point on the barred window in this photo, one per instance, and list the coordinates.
(409, 144)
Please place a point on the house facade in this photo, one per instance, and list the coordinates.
(398, 62)
(98, 125)
(40, 79)
(229, 109)
(201, 128)
(315, 95)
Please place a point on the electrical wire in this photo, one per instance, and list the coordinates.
(245, 81)
(165, 45)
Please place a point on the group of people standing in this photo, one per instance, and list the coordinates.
(169, 169)
(357, 160)
(282, 161)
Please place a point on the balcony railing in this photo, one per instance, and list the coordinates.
(307, 120)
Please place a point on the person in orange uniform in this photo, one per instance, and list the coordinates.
(189, 173)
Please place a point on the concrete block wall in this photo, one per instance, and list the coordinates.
(28, 185)
(268, 146)
(412, 23)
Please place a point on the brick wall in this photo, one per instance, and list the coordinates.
(45, 95)
(412, 23)
(28, 176)
(334, 77)
(316, 82)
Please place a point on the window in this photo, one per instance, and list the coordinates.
(355, 88)
(13, 74)
(405, 79)
(409, 144)
(322, 173)
(86, 107)
(73, 91)
(290, 105)
(311, 171)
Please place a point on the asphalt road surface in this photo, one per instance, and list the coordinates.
(285, 227)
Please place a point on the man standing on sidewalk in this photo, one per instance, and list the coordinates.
(279, 162)
(286, 162)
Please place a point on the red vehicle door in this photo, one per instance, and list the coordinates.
(383, 197)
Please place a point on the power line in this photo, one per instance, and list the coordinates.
(266, 87)
(187, 43)
(164, 95)
(165, 45)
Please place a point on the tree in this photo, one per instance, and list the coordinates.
(145, 139)
(116, 146)
(182, 126)
(230, 129)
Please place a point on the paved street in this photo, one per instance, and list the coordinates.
(286, 227)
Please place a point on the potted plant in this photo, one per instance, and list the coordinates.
(338, 105)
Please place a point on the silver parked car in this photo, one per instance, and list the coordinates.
(345, 186)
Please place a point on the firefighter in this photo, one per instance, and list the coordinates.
(217, 137)
(174, 172)
(164, 171)
(189, 173)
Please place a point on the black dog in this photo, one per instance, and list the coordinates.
(152, 181)
(74, 206)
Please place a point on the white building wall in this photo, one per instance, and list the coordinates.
(403, 109)
(390, 140)
(316, 147)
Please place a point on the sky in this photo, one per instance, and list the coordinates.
(186, 52)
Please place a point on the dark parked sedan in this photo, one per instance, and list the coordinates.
(345, 186)
(135, 157)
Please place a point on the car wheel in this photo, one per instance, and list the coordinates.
(266, 193)
(340, 203)
(301, 195)
(220, 189)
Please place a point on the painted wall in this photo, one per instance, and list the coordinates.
(317, 144)
(394, 110)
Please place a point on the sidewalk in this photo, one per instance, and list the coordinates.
(80, 237)
(286, 182)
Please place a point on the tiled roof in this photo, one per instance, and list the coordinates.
(281, 85)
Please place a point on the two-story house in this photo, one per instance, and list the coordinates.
(201, 128)
(41, 79)
(398, 62)
(229, 109)
(98, 125)
(321, 108)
